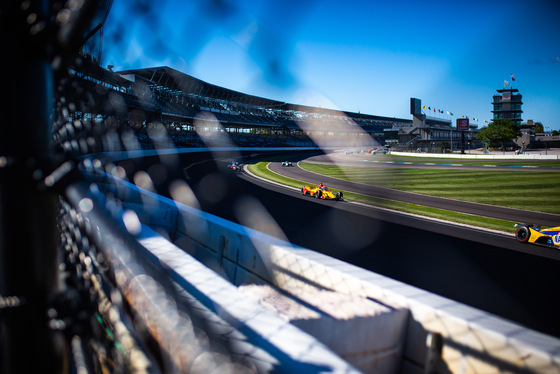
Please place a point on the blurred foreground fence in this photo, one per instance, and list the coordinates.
(374, 323)
(91, 282)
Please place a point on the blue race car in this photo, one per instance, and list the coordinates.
(534, 234)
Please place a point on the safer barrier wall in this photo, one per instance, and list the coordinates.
(438, 334)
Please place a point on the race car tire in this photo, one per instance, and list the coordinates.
(318, 194)
(339, 195)
(303, 191)
(522, 234)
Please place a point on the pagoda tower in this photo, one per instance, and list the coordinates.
(507, 105)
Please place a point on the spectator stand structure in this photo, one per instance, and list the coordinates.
(188, 108)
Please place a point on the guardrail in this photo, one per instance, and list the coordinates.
(389, 327)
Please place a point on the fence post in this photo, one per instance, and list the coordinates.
(28, 241)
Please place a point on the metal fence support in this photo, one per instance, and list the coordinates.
(28, 242)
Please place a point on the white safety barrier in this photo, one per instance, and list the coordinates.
(528, 156)
(374, 323)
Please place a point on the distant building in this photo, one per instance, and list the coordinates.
(531, 139)
(431, 134)
(507, 105)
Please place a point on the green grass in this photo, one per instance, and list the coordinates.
(261, 170)
(530, 190)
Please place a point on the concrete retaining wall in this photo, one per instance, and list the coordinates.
(423, 332)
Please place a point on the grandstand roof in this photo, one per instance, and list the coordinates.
(164, 76)
(88, 66)
(352, 115)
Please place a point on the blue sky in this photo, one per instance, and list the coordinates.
(355, 56)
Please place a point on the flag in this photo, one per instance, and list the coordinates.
(451, 113)
(506, 83)
(512, 77)
(434, 110)
(429, 108)
(447, 112)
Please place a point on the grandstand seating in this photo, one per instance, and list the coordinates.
(177, 102)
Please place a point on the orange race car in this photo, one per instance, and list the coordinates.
(321, 192)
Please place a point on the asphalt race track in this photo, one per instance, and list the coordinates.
(486, 270)
(510, 214)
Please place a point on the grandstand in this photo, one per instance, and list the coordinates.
(176, 100)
